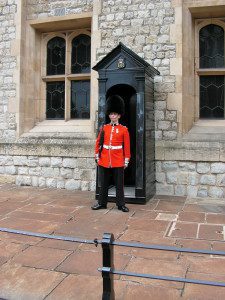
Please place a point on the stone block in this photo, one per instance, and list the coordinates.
(171, 177)
(72, 184)
(192, 191)
(183, 178)
(35, 171)
(22, 170)
(10, 170)
(56, 161)
(169, 166)
(44, 161)
(217, 168)
(47, 172)
(169, 135)
(162, 189)
(51, 182)
(220, 180)
(160, 177)
(180, 190)
(70, 163)
(20, 160)
(23, 180)
(60, 184)
(32, 161)
(193, 178)
(187, 166)
(84, 185)
(202, 192)
(34, 181)
(216, 192)
(159, 115)
(203, 168)
(66, 173)
(208, 179)
(42, 182)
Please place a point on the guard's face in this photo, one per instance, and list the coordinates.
(114, 117)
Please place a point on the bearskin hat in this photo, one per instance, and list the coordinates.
(115, 104)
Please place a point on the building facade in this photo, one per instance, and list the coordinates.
(49, 92)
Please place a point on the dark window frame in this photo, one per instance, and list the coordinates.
(68, 77)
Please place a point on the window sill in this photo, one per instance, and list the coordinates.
(207, 130)
(61, 129)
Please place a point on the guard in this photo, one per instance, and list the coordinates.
(112, 154)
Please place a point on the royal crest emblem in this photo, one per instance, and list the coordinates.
(121, 64)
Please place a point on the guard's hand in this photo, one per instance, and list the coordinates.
(125, 166)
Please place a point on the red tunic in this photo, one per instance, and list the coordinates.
(114, 135)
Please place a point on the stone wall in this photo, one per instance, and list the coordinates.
(144, 27)
(42, 8)
(194, 179)
(53, 172)
(8, 63)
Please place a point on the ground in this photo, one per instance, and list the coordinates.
(38, 268)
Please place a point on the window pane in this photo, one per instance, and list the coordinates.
(212, 97)
(80, 99)
(55, 100)
(81, 53)
(56, 56)
(211, 41)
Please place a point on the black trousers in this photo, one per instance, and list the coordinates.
(118, 175)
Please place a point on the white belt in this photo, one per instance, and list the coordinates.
(112, 147)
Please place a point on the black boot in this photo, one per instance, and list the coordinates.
(123, 208)
(98, 206)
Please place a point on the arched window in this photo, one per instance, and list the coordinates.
(56, 49)
(211, 57)
(81, 54)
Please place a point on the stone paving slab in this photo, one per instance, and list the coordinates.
(37, 268)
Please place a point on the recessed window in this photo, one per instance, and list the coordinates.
(68, 76)
(211, 63)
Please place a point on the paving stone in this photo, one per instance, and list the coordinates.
(38, 216)
(199, 291)
(80, 287)
(7, 207)
(168, 206)
(18, 282)
(93, 260)
(144, 214)
(218, 246)
(159, 268)
(8, 249)
(191, 217)
(166, 217)
(211, 232)
(44, 258)
(31, 225)
(18, 238)
(204, 208)
(215, 218)
(58, 244)
(40, 208)
(148, 225)
(137, 292)
(193, 244)
(183, 230)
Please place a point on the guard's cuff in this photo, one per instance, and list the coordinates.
(126, 162)
(97, 156)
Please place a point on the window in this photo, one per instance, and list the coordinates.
(211, 72)
(67, 76)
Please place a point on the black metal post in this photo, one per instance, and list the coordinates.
(107, 255)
